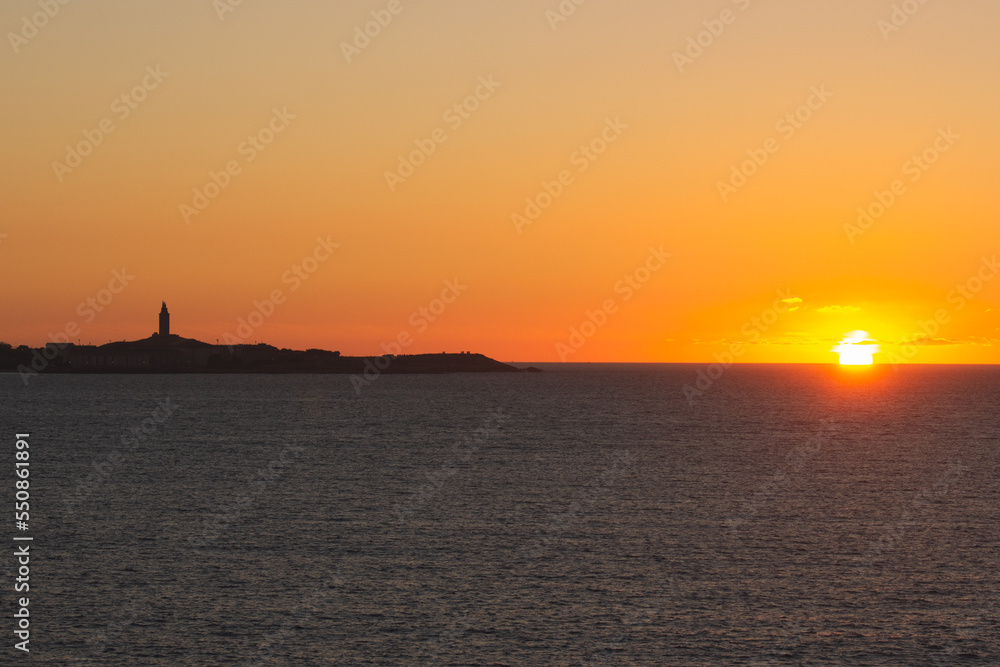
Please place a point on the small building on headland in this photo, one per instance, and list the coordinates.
(164, 320)
(166, 352)
(162, 351)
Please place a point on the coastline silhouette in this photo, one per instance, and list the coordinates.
(166, 352)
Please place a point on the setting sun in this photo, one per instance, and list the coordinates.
(857, 349)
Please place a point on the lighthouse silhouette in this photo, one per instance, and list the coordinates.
(164, 320)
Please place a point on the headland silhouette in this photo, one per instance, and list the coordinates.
(166, 352)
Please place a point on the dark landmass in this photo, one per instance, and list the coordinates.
(174, 354)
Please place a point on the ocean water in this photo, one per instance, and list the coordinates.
(586, 515)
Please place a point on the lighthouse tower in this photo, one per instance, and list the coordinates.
(164, 320)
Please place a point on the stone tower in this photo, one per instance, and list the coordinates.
(164, 320)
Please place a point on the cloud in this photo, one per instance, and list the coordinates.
(838, 310)
(856, 337)
(969, 340)
(794, 302)
(939, 341)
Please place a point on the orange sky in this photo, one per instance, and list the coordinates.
(666, 122)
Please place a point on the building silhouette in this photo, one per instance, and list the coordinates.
(165, 352)
(162, 350)
(164, 320)
(171, 353)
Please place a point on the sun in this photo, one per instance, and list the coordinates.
(856, 349)
(855, 356)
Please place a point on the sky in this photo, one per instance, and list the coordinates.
(534, 180)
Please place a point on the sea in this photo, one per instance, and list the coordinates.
(589, 514)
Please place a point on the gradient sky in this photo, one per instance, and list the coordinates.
(527, 287)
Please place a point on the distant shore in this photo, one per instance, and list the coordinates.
(318, 362)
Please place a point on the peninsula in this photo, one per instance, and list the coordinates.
(164, 352)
